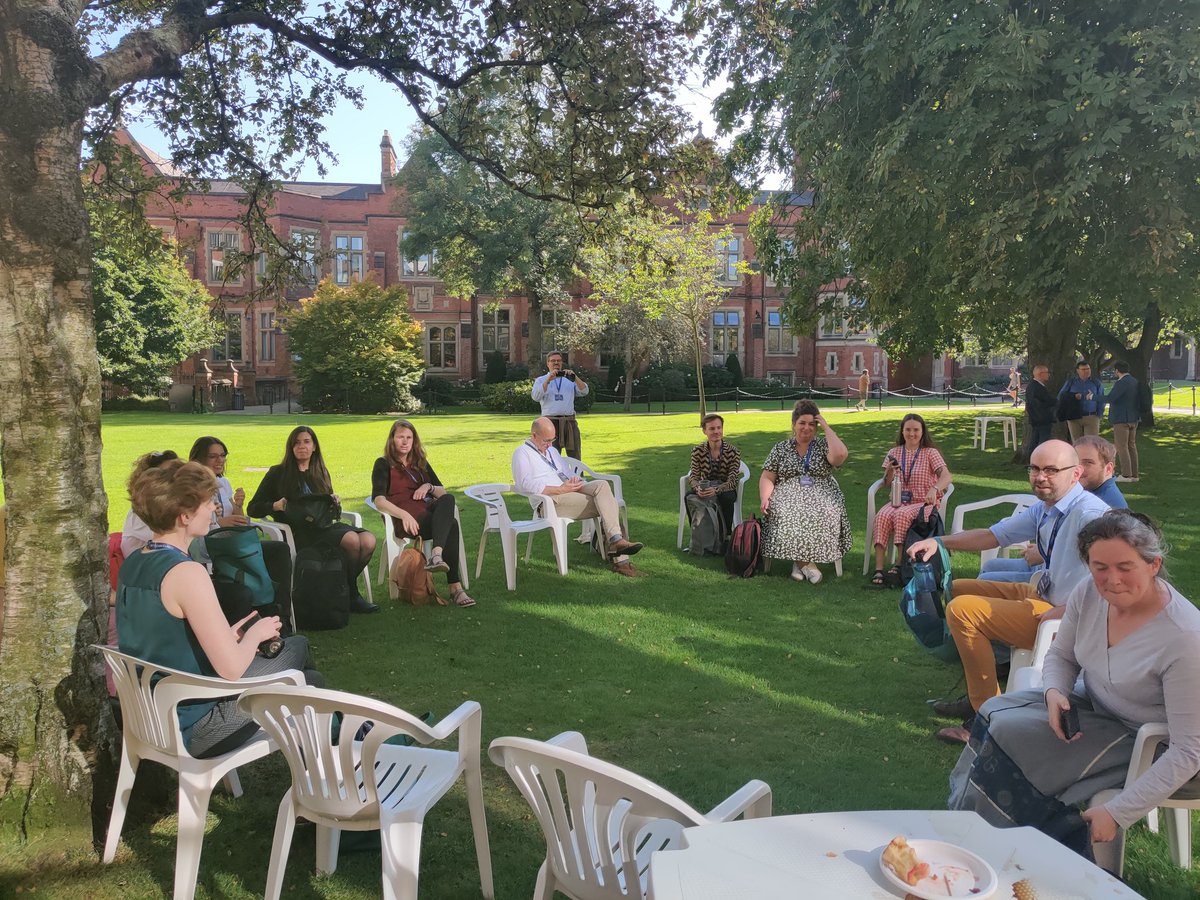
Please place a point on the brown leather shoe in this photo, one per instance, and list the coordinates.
(959, 708)
(627, 569)
(622, 546)
(954, 734)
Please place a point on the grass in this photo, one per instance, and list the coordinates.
(687, 677)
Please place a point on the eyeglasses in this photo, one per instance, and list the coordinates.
(1048, 471)
(217, 455)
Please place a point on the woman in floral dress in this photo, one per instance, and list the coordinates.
(805, 511)
(923, 476)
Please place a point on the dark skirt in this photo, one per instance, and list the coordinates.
(1015, 771)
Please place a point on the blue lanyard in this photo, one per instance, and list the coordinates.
(159, 545)
(547, 461)
(804, 463)
(1049, 548)
(906, 477)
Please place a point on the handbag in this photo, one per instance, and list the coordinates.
(313, 510)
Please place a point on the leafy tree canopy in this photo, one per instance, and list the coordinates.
(150, 313)
(985, 163)
(357, 349)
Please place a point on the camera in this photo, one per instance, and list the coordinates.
(570, 375)
(893, 460)
(271, 647)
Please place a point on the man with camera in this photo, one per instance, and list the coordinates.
(556, 391)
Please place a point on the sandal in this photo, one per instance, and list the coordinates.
(877, 578)
(462, 598)
(437, 564)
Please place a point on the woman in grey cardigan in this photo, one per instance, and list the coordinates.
(1136, 641)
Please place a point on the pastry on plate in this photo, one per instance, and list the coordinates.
(902, 859)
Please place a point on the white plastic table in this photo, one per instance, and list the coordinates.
(1008, 427)
(835, 855)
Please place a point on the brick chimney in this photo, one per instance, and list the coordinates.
(387, 160)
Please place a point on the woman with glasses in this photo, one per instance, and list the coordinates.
(212, 453)
(805, 511)
(1038, 759)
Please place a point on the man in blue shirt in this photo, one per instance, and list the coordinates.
(986, 611)
(1124, 414)
(556, 392)
(1088, 393)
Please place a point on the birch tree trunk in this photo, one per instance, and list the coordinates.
(54, 726)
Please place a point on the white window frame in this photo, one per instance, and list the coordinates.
(785, 341)
(307, 245)
(218, 242)
(220, 351)
(725, 327)
(554, 328)
(858, 362)
(349, 257)
(435, 333)
(484, 325)
(788, 378)
(729, 254)
(832, 362)
(1179, 345)
(267, 336)
(421, 267)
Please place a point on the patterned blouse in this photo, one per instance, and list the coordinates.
(727, 468)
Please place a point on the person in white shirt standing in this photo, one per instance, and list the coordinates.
(537, 469)
(556, 392)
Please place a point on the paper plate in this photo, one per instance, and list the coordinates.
(953, 872)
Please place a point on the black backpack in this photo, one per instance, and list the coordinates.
(927, 524)
(320, 593)
(744, 556)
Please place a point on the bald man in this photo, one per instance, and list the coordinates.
(986, 611)
(539, 469)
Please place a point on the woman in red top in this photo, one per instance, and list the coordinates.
(406, 488)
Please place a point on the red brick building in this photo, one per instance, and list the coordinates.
(355, 232)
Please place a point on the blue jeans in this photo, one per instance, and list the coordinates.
(1010, 570)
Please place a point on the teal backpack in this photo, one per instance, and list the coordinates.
(923, 602)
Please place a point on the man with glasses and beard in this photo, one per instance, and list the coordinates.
(985, 611)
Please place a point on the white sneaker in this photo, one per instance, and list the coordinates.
(812, 573)
(798, 574)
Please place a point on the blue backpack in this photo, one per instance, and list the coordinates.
(923, 602)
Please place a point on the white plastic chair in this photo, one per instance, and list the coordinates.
(737, 503)
(150, 730)
(330, 789)
(601, 822)
(282, 531)
(498, 520)
(1020, 503)
(872, 510)
(393, 545)
(1025, 671)
(586, 472)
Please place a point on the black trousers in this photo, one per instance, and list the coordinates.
(438, 524)
(725, 503)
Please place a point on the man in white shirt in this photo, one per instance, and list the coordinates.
(556, 392)
(538, 469)
(986, 611)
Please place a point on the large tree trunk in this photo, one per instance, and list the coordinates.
(534, 351)
(54, 727)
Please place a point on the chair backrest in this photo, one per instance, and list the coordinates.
(578, 467)
(143, 715)
(1020, 503)
(318, 733)
(492, 498)
(600, 822)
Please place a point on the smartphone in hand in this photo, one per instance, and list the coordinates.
(247, 625)
(1070, 722)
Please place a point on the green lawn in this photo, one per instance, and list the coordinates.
(687, 677)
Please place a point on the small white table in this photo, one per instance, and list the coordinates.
(835, 855)
(1008, 426)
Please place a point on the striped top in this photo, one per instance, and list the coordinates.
(727, 468)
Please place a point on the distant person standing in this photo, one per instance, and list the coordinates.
(1088, 394)
(864, 390)
(556, 392)
(1014, 386)
(1040, 406)
(1124, 415)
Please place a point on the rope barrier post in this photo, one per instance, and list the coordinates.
(1170, 391)
(664, 402)
(737, 399)
(912, 398)
(947, 398)
(1193, 399)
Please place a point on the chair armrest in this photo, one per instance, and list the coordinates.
(615, 482)
(543, 503)
(451, 723)
(353, 518)
(753, 800)
(570, 740)
(181, 686)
